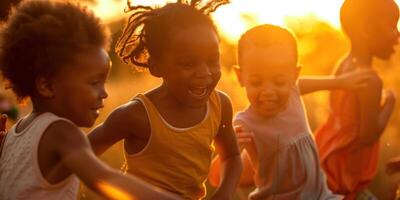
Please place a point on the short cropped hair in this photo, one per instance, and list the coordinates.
(267, 36)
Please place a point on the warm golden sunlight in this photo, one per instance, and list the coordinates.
(233, 19)
(321, 45)
(113, 192)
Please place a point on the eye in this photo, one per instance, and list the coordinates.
(213, 62)
(280, 82)
(97, 81)
(94, 81)
(187, 63)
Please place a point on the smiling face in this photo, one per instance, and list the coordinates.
(78, 88)
(269, 76)
(190, 64)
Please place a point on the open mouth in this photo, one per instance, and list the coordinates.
(269, 105)
(198, 92)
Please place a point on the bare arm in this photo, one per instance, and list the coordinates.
(246, 178)
(351, 80)
(228, 150)
(373, 117)
(76, 155)
(386, 110)
(116, 127)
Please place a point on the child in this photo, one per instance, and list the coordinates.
(349, 141)
(54, 54)
(283, 153)
(169, 132)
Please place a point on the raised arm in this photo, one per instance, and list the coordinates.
(76, 155)
(228, 150)
(351, 81)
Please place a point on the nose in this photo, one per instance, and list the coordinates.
(103, 93)
(267, 91)
(203, 71)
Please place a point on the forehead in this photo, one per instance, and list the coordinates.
(202, 39)
(383, 12)
(89, 62)
(272, 59)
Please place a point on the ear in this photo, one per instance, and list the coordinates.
(154, 68)
(44, 87)
(238, 73)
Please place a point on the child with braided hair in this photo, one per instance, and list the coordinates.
(169, 131)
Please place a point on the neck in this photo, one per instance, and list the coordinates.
(39, 106)
(360, 56)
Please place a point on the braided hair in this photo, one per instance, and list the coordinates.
(143, 37)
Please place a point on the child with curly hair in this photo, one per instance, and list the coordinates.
(55, 54)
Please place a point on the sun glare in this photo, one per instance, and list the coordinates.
(234, 18)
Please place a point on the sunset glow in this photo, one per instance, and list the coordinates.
(233, 19)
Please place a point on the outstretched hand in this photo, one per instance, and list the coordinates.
(357, 79)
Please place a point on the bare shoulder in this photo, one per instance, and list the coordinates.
(226, 104)
(226, 111)
(130, 117)
(64, 136)
(128, 113)
(374, 86)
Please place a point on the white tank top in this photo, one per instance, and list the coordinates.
(20, 176)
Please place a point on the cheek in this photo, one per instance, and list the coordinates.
(216, 74)
(284, 93)
(252, 94)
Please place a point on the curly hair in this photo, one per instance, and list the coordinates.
(41, 37)
(5, 6)
(143, 37)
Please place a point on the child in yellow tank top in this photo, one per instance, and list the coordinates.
(169, 131)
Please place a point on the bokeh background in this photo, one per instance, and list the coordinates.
(321, 45)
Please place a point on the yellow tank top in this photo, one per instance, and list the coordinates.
(177, 159)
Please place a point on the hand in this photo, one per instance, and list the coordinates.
(244, 135)
(393, 166)
(389, 98)
(357, 79)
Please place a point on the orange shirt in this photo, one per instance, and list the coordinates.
(349, 165)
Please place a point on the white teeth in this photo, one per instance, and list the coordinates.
(198, 92)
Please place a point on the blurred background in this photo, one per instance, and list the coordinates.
(321, 45)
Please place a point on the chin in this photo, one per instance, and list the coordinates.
(385, 55)
(86, 124)
(268, 114)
